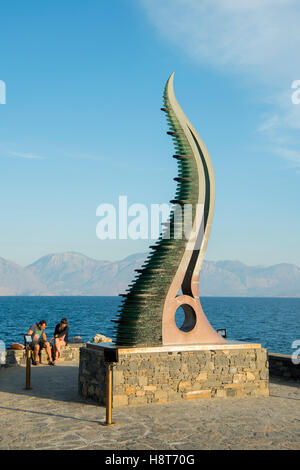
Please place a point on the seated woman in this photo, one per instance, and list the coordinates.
(61, 334)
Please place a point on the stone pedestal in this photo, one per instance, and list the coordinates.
(171, 373)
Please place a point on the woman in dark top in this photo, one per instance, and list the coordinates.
(61, 334)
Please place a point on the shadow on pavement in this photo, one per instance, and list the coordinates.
(44, 413)
(289, 382)
(59, 383)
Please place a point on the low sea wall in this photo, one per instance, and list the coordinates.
(68, 353)
(282, 365)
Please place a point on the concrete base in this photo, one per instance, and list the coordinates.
(171, 373)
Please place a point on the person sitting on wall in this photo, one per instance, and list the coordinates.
(61, 334)
(39, 341)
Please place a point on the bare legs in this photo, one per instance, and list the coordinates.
(36, 351)
(58, 343)
(48, 350)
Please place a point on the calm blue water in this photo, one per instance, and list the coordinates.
(273, 322)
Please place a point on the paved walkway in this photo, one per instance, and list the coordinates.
(53, 416)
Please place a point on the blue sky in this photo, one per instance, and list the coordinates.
(82, 121)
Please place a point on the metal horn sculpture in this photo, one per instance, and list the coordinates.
(147, 313)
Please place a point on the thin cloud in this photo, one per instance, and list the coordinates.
(257, 39)
(269, 123)
(260, 37)
(287, 116)
(26, 155)
(292, 156)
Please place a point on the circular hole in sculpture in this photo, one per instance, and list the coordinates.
(185, 318)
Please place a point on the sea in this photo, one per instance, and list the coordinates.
(272, 322)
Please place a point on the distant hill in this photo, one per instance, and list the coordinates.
(76, 274)
(15, 280)
(232, 278)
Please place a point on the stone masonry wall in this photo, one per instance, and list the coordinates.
(68, 353)
(92, 375)
(141, 378)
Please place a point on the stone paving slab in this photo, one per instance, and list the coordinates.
(53, 416)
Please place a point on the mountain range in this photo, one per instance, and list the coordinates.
(73, 273)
